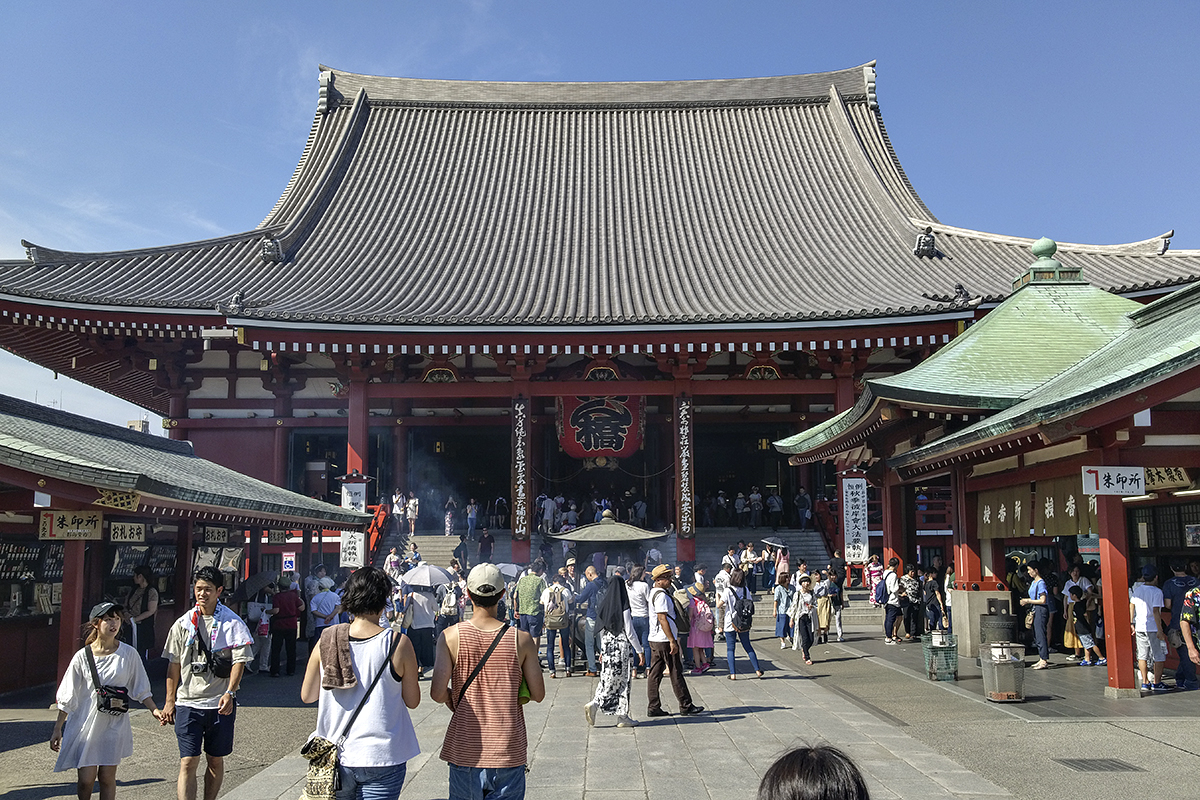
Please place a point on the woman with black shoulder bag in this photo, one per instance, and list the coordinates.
(92, 733)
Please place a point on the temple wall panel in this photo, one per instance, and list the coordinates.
(248, 359)
(250, 451)
(251, 389)
(314, 389)
(210, 388)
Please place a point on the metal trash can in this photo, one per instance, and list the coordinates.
(941, 655)
(1003, 666)
(998, 628)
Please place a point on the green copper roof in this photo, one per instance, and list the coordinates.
(1161, 339)
(1042, 329)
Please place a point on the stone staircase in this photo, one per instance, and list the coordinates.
(712, 544)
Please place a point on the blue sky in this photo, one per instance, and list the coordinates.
(139, 124)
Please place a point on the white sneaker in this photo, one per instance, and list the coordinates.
(626, 722)
(783, 644)
(589, 713)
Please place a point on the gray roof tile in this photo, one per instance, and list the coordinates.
(449, 203)
(58, 444)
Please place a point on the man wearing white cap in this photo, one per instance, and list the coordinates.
(477, 674)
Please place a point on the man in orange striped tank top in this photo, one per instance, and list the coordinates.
(477, 675)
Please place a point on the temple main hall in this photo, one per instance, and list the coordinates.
(495, 290)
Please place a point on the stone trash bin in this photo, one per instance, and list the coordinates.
(1003, 665)
(941, 655)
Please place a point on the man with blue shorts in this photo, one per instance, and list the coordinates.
(208, 649)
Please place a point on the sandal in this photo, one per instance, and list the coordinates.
(731, 677)
(760, 673)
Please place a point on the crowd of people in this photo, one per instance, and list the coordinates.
(754, 510)
(372, 637)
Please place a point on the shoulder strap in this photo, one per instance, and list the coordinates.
(479, 667)
(87, 649)
(367, 694)
(202, 635)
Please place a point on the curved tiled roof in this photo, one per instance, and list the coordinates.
(420, 202)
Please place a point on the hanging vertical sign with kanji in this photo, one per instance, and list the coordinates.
(1114, 480)
(854, 519)
(684, 451)
(352, 549)
(520, 469)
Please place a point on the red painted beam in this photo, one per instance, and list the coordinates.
(664, 388)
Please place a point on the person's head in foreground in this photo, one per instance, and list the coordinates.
(813, 773)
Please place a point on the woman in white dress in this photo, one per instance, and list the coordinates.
(87, 739)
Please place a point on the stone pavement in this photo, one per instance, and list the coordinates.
(719, 754)
(912, 737)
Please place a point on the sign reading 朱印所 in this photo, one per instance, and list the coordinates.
(1114, 480)
(70, 525)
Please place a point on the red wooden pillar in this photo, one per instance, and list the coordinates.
(176, 409)
(71, 609)
(1114, 577)
(358, 431)
(522, 479)
(280, 456)
(893, 520)
(968, 550)
(685, 501)
(183, 566)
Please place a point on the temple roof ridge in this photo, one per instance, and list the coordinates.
(1154, 246)
(705, 91)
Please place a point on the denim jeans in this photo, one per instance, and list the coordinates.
(589, 642)
(371, 783)
(478, 783)
(553, 636)
(1185, 673)
(641, 627)
(890, 615)
(731, 640)
(1041, 617)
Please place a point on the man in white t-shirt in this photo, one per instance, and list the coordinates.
(891, 609)
(1145, 613)
(665, 649)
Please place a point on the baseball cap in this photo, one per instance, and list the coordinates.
(570, 561)
(325, 583)
(100, 609)
(485, 580)
(1149, 571)
(660, 570)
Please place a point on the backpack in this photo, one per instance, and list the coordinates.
(556, 610)
(742, 610)
(880, 595)
(449, 607)
(682, 622)
(704, 614)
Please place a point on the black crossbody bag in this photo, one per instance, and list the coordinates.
(109, 699)
(479, 667)
(221, 666)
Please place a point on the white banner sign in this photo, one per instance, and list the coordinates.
(1114, 480)
(354, 497)
(854, 519)
(352, 548)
